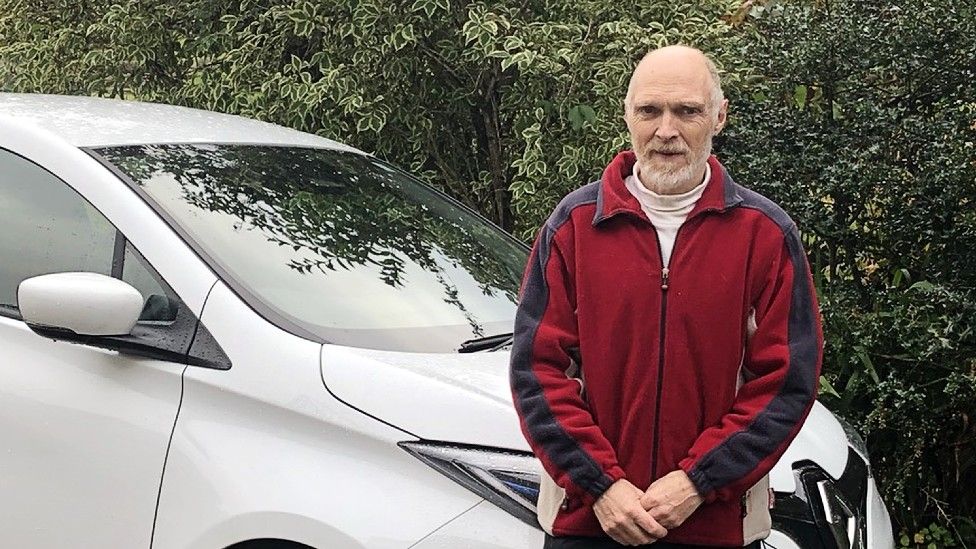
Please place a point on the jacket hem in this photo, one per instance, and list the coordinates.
(687, 540)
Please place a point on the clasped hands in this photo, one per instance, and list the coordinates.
(633, 517)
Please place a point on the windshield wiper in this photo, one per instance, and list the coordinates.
(487, 343)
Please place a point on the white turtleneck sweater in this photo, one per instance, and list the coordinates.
(666, 211)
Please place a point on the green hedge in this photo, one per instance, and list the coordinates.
(861, 121)
(506, 105)
(857, 116)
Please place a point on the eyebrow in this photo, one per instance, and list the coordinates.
(677, 105)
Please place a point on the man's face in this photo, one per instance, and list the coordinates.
(671, 122)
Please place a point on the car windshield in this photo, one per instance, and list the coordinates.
(341, 245)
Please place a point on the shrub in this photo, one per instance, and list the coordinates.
(506, 105)
(861, 121)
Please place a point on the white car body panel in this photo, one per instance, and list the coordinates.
(261, 450)
(820, 440)
(484, 526)
(462, 398)
(125, 122)
(779, 540)
(84, 436)
(880, 536)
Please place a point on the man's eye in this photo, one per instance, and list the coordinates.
(689, 111)
(648, 110)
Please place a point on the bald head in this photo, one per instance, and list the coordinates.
(676, 64)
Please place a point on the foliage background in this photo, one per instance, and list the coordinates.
(857, 116)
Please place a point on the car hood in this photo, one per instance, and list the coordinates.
(465, 398)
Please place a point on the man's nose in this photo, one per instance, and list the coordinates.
(668, 129)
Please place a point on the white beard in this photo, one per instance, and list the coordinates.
(667, 181)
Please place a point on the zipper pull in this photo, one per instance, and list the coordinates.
(664, 278)
(564, 506)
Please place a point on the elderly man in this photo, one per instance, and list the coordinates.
(667, 344)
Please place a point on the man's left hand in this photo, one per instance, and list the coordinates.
(671, 499)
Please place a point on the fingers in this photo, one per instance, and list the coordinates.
(671, 499)
(652, 527)
(666, 515)
(629, 536)
(649, 500)
(623, 518)
(661, 510)
(635, 527)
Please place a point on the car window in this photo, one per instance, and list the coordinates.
(47, 227)
(161, 303)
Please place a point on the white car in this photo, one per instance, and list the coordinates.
(217, 332)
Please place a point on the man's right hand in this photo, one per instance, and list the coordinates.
(623, 518)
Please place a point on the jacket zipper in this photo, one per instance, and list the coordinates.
(665, 279)
(665, 284)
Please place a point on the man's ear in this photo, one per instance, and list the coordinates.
(723, 112)
(626, 113)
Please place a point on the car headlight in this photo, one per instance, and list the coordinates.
(506, 478)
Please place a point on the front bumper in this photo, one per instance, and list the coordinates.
(828, 513)
(823, 513)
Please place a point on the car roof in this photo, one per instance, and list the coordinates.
(98, 122)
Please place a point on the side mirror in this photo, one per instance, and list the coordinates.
(85, 304)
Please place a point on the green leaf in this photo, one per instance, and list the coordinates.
(427, 6)
(508, 61)
(576, 117)
(837, 112)
(588, 113)
(923, 286)
(862, 353)
(800, 96)
(900, 274)
(827, 388)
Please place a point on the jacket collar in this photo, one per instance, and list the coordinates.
(613, 197)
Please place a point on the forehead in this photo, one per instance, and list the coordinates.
(673, 83)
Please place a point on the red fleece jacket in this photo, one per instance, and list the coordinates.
(661, 351)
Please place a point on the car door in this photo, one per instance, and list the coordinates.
(84, 429)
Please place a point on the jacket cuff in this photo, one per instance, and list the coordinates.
(596, 490)
(702, 483)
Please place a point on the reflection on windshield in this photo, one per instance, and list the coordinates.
(345, 246)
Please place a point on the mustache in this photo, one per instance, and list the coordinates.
(665, 149)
